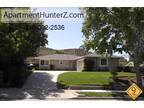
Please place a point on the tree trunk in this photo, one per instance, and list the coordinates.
(138, 74)
(137, 51)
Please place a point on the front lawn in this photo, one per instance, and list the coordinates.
(87, 78)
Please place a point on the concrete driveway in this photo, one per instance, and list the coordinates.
(54, 74)
(40, 85)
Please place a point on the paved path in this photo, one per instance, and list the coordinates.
(40, 85)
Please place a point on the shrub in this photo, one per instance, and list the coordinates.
(61, 85)
(15, 76)
(128, 69)
(36, 67)
(142, 95)
(119, 68)
(142, 69)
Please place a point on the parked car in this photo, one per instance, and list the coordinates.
(31, 66)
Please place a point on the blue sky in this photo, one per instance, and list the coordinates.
(71, 37)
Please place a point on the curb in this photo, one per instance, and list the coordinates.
(108, 98)
(76, 98)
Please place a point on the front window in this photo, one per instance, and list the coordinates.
(104, 62)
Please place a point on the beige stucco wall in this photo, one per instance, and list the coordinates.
(59, 64)
(80, 65)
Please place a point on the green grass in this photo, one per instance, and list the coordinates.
(100, 94)
(126, 74)
(87, 78)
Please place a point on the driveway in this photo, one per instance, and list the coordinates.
(54, 74)
(40, 85)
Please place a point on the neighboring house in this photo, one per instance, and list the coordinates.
(129, 67)
(123, 62)
(131, 64)
(91, 62)
(57, 62)
(96, 62)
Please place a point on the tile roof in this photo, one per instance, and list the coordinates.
(70, 57)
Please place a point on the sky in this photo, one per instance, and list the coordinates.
(71, 37)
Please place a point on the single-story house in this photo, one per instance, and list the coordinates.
(57, 62)
(92, 62)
